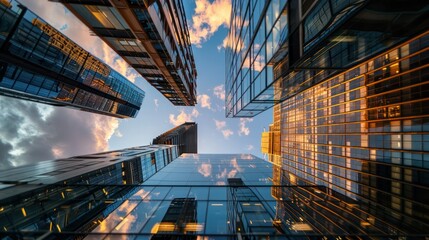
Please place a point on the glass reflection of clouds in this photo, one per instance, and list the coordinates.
(205, 169)
(195, 190)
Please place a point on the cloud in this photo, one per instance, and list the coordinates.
(31, 132)
(243, 129)
(204, 100)
(114, 61)
(238, 24)
(219, 91)
(156, 103)
(207, 19)
(5, 156)
(224, 44)
(118, 133)
(250, 147)
(220, 124)
(205, 169)
(67, 23)
(183, 117)
(226, 133)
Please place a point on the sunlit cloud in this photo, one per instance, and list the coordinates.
(56, 15)
(244, 130)
(57, 152)
(207, 19)
(222, 174)
(183, 117)
(225, 43)
(235, 164)
(227, 133)
(219, 91)
(232, 173)
(205, 169)
(204, 101)
(114, 61)
(246, 157)
(31, 132)
(220, 124)
(238, 24)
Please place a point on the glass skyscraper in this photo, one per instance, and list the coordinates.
(362, 135)
(196, 196)
(349, 84)
(39, 63)
(183, 136)
(152, 36)
(75, 194)
(278, 48)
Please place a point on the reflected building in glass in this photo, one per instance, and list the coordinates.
(140, 193)
(184, 136)
(293, 45)
(151, 36)
(39, 63)
(75, 194)
(361, 139)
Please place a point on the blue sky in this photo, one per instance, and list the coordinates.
(52, 132)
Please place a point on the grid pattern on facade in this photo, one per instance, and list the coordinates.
(296, 44)
(39, 63)
(257, 30)
(365, 133)
(75, 194)
(184, 136)
(151, 36)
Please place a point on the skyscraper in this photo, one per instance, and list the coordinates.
(183, 136)
(362, 135)
(152, 36)
(279, 48)
(216, 196)
(75, 194)
(350, 114)
(195, 195)
(39, 63)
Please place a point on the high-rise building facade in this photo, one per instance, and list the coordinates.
(39, 63)
(277, 48)
(360, 135)
(207, 195)
(152, 36)
(213, 196)
(183, 136)
(74, 194)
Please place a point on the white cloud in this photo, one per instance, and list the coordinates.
(224, 44)
(226, 133)
(118, 133)
(238, 24)
(31, 132)
(205, 169)
(156, 103)
(250, 147)
(183, 117)
(220, 124)
(243, 129)
(207, 19)
(204, 100)
(219, 91)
